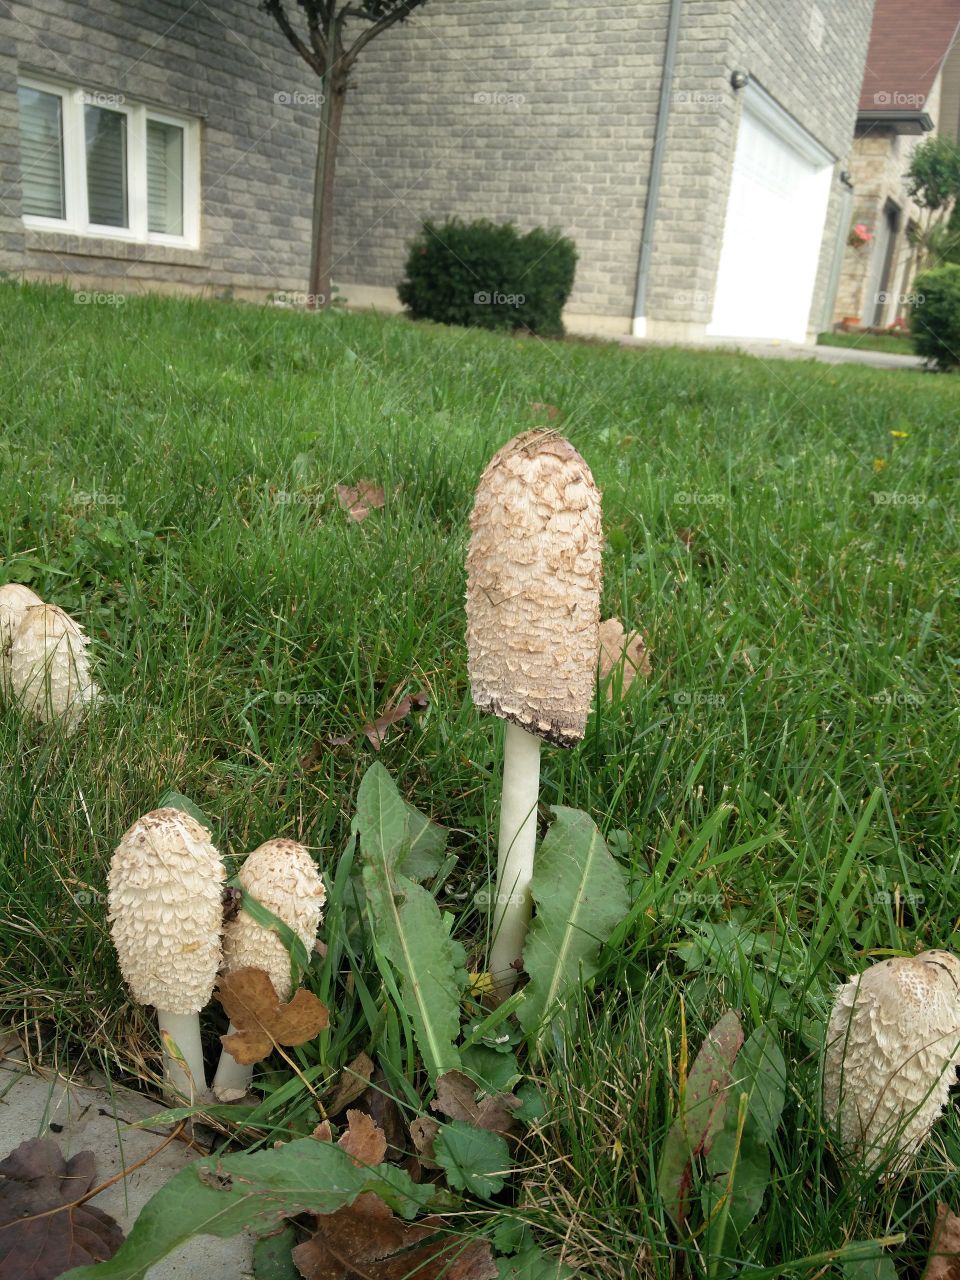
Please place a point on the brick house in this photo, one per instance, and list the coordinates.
(911, 87)
(692, 148)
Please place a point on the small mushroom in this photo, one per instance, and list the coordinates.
(281, 876)
(15, 600)
(165, 905)
(533, 619)
(892, 1048)
(49, 668)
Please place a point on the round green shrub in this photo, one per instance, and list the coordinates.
(489, 275)
(935, 317)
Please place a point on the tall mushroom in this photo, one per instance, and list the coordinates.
(892, 1047)
(533, 618)
(165, 905)
(49, 668)
(15, 600)
(281, 876)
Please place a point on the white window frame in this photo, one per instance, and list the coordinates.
(73, 99)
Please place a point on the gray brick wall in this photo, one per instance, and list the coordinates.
(221, 60)
(562, 135)
(11, 228)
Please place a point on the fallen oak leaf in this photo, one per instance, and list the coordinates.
(359, 499)
(366, 1239)
(456, 1098)
(617, 647)
(943, 1262)
(43, 1231)
(376, 730)
(423, 1131)
(354, 1079)
(363, 1140)
(261, 1020)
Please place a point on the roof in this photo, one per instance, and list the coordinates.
(908, 43)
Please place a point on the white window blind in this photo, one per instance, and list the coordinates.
(41, 153)
(164, 178)
(106, 137)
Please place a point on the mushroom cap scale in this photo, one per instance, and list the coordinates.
(15, 600)
(892, 1045)
(281, 876)
(533, 587)
(165, 904)
(49, 668)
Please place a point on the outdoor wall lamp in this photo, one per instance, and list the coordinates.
(739, 79)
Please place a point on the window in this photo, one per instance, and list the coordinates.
(95, 164)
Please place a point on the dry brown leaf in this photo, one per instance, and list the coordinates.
(686, 536)
(376, 730)
(363, 1140)
(456, 1098)
(617, 646)
(354, 1079)
(42, 1232)
(260, 1020)
(359, 499)
(379, 1103)
(944, 1259)
(366, 1239)
(423, 1131)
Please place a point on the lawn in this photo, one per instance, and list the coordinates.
(896, 344)
(783, 788)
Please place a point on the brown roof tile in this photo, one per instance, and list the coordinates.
(908, 42)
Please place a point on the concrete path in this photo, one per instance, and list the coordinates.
(98, 1120)
(795, 351)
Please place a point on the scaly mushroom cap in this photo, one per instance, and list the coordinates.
(282, 877)
(49, 668)
(165, 905)
(15, 600)
(533, 587)
(891, 1053)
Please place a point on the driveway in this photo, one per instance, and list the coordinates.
(794, 351)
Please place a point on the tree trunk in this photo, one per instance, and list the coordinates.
(321, 262)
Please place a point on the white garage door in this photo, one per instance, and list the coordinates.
(773, 228)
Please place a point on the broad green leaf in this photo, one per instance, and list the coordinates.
(498, 1072)
(533, 1264)
(581, 895)
(427, 846)
(223, 1195)
(873, 1265)
(273, 1257)
(410, 930)
(174, 800)
(474, 1160)
(703, 1114)
(761, 1072)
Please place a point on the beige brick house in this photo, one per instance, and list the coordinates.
(911, 88)
(692, 148)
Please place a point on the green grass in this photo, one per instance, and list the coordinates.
(784, 789)
(894, 343)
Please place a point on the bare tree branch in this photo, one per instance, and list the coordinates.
(276, 10)
(403, 9)
(316, 26)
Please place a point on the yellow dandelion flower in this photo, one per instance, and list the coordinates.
(480, 983)
(899, 435)
(879, 464)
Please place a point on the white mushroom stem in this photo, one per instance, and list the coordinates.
(231, 1075)
(184, 1030)
(518, 838)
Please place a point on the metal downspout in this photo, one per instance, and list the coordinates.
(656, 169)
